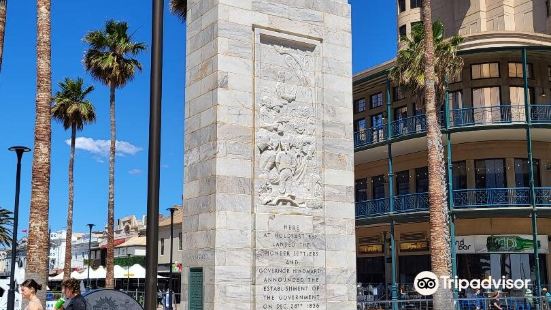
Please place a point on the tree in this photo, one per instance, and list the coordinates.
(179, 7)
(6, 222)
(423, 66)
(109, 60)
(37, 247)
(3, 11)
(409, 70)
(73, 110)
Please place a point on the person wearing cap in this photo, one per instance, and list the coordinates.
(71, 290)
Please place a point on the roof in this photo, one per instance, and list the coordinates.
(178, 217)
(134, 241)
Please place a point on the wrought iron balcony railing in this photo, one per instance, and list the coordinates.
(462, 199)
(458, 118)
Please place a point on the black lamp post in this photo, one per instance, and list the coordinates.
(127, 272)
(172, 210)
(154, 156)
(19, 150)
(90, 226)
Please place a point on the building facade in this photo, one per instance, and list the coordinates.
(496, 116)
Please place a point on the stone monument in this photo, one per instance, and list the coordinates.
(268, 195)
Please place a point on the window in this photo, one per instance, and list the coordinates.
(360, 125)
(415, 4)
(377, 127)
(402, 182)
(522, 172)
(490, 173)
(484, 71)
(515, 70)
(422, 180)
(458, 77)
(456, 99)
(402, 5)
(359, 105)
(180, 247)
(402, 31)
(516, 94)
(378, 186)
(398, 93)
(485, 97)
(376, 100)
(377, 121)
(360, 187)
(459, 175)
(400, 113)
(162, 246)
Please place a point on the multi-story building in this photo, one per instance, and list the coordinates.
(164, 250)
(498, 115)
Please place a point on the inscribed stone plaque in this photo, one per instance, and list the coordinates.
(196, 289)
(290, 244)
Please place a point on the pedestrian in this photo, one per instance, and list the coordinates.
(29, 288)
(479, 300)
(546, 298)
(71, 290)
(495, 303)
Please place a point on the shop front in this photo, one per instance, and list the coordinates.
(509, 256)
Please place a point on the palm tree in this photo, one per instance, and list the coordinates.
(109, 60)
(3, 11)
(179, 7)
(37, 247)
(73, 110)
(423, 66)
(6, 222)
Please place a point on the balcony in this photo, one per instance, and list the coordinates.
(459, 119)
(463, 199)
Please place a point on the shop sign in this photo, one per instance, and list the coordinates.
(416, 246)
(500, 244)
(370, 249)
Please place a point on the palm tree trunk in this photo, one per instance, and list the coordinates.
(109, 278)
(38, 245)
(438, 210)
(3, 11)
(69, 235)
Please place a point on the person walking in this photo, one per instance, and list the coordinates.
(71, 290)
(495, 303)
(29, 288)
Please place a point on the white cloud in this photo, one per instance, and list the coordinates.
(101, 147)
(134, 171)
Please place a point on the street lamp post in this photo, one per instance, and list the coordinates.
(89, 252)
(172, 210)
(128, 273)
(19, 150)
(154, 156)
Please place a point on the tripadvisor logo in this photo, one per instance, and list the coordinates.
(426, 283)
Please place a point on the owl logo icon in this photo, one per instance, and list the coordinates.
(426, 283)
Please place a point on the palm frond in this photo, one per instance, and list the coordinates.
(179, 7)
(108, 58)
(71, 106)
(6, 224)
(408, 71)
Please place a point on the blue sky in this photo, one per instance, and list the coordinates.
(373, 42)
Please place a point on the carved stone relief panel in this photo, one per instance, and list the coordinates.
(288, 161)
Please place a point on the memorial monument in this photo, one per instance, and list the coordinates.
(268, 194)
